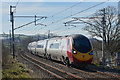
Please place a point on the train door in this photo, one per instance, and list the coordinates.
(63, 47)
(58, 50)
(54, 49)
(46, 45)
(36, 49)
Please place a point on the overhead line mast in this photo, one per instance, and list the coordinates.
(12, 21)
(103, 45)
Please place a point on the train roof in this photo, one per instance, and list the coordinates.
(78, 35)
(73, 36)
(60, 37)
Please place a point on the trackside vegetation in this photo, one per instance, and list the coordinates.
(11, 68)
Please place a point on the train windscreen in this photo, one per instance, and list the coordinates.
(81, 44)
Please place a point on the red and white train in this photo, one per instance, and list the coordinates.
(74, 49)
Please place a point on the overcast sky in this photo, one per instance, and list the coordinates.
(55, 11)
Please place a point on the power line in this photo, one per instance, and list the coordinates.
(79, 12)
(72, 14)
(29, 23)
(63, 11)
(29, 16)
(66, 9)
(76, 20)
(36, 30)
(16, 5)
(65, 30)
(70, 23)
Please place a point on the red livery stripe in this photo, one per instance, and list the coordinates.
(69, 50)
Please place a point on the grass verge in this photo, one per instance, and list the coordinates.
(13, 69)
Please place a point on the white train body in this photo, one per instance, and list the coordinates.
(56, 47)
(74, 48)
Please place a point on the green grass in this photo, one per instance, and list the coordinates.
(13, 69)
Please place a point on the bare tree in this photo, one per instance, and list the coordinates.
(112, 30)
(97, 51)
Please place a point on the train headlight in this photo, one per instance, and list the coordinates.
(91, 53)
(74, 52)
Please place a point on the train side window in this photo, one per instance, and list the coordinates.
(39, 46)
(68, 41)
(54, 46)
(32, 46)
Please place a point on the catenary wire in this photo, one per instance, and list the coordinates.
(78, 12)
(16, 5)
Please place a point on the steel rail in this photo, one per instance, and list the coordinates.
(56, 68)
(103, 73)
(109, 74)
(43, 68)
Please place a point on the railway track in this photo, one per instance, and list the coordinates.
(110, 76)
(61, 73)
(97, 73)
(58, 73)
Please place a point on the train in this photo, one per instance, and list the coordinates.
(73, 49)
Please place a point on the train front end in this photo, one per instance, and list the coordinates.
(81, 50)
